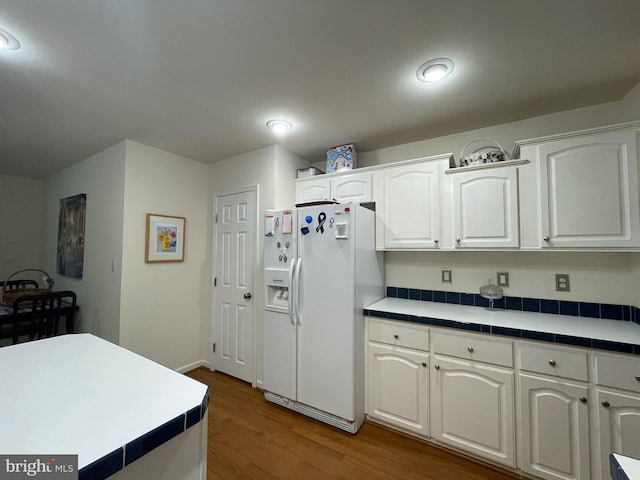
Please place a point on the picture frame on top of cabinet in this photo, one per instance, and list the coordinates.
(165, 238)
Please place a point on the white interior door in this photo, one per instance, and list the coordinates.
(233, 315)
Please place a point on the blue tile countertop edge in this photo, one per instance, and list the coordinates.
(115, 461)
(623, 468)
(590, 332)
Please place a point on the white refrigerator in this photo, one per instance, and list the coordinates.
(314, 341)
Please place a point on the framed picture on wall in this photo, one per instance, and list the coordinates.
(164, 239)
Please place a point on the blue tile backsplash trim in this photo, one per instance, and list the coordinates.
(557, 307)
(540, 305)
(115, 461)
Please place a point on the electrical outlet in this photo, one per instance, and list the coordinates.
(562, 282)
(503, 279)
(446, 276)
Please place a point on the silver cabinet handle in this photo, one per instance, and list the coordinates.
(437, 367)
(247, 296)
(424, 364)
(552, 363)
(470, 349)
(546, 239)
(605, 404)
(583, 399)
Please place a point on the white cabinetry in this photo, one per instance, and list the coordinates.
(412, 206)
(352, 187)
(472, 406)
(618, 389)
(587, 188)
(486, 208)
(554, 412)
(397, 376)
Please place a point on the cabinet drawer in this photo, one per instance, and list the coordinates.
(401, 334)
(554, 361)
(618, 372)
(473, 347)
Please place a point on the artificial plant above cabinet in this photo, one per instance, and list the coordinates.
(586, 192)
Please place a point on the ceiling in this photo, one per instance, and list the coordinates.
(200, 78)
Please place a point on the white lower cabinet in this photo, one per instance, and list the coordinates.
(555, 428)
(574, 406)
(399, 387)
(618, 390)
(472, 408)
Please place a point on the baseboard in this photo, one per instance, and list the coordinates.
(193, 366)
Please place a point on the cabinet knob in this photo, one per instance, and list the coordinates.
(605, 404)
(457, 240)
(436, 242)
(424, 364)
(546, 239)
(552, 362)
(638, 378)
(583, 399)
(470, 349)
(396, 336)
(437, 367)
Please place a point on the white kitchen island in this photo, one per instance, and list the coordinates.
(125, 416)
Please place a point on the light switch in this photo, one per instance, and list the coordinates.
(503, 279)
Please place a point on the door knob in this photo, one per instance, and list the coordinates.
(247, 296)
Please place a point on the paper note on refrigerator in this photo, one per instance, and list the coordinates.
(287, 216)
(269, 224)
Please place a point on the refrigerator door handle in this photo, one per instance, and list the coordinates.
(292, 292)
(297, 292)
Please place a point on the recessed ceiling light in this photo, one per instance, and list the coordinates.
(279, 126)
(8, 41)
(435, 70)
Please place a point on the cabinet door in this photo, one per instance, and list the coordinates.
(353, 188)
(313, 190)
(555, 428)
(397, 389)
(412, 206)
(486, 208)
(472, 408)
(619, 416)
(589, 191)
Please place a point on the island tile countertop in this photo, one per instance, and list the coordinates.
(614, 335)
(79, 394)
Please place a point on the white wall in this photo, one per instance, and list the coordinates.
(287, 165)
(164, 306)
(21, 215)
(101, 178)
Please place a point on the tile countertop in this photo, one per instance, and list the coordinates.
(624, 468)
(615, 335)
(79, 394)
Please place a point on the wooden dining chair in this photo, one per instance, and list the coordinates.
(39, 315)
(18, 284)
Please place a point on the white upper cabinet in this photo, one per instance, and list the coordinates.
(412, 206)
(486, 209)
(313, 189)
(353, 187)
(587, 189)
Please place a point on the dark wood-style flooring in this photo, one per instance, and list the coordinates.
(250, 438)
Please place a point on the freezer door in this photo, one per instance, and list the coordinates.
(326, 313)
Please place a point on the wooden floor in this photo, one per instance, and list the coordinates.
(252, 438)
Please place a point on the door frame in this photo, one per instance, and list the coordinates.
(256, 190)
